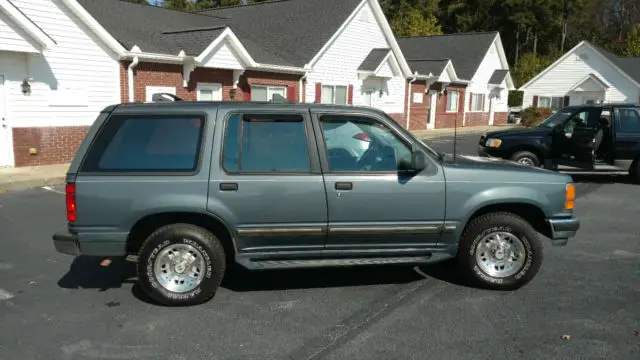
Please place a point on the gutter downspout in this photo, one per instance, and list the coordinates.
(415, 76)
(301, 93)
(133, 64)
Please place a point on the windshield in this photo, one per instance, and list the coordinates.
(555, 119)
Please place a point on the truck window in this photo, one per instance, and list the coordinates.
(142, 143)
(356, 143)
(266, 143)
(627, 120)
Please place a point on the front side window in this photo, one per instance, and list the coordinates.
(147, 144)
(334, 94)
(266, 93)
(476, 102)
(266, 143)
(628, 120)
(356, 143)
(577, 120)
(452, 101)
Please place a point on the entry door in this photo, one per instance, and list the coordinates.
(5, 131)
(371, 200)
(574, 140)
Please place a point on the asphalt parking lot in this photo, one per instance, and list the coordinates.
(55, 307)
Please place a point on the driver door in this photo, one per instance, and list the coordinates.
(372, 202)
(574, 139)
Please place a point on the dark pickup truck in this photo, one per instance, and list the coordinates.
(587, 137)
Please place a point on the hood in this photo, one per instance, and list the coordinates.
(517, 132)
(488, 163)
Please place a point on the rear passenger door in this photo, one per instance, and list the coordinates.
(266, 179)
(627, 134)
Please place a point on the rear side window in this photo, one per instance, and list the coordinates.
(266, 143)
(147, 144)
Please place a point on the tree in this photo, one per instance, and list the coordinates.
(414, 23)
(632, 43)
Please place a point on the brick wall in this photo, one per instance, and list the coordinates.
(477, 119)
(419, 112)
(446, 119)
(54, 145)
(399, 118)
(500, 118)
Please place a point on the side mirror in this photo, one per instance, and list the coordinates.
(418, 160)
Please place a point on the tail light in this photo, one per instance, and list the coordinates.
(70, 194)
(570, 197)
(361, 136)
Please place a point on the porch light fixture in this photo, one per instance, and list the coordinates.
(232, 93)
(26, 87)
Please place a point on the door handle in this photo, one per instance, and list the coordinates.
(344, 185)
(228, 186)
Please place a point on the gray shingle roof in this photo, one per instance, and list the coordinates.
(295, 30)
(425, 67)
(498, 77)
(466, 50)
(143, 25)
(629, 65)
(373, 60)
(286, 33)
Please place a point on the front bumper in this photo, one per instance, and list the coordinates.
(66, 243)
(562, 229)
(489, 152)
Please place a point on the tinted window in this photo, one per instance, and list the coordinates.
(266, 143)
(362, 144)
(628, 120)
(147, 144)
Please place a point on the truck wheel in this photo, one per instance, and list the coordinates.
(500, 251)
(526, 158)
(181, 264)
(634, 171)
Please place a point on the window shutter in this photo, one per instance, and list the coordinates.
(535, 101)
(350, 95)
(566, 101)
(247, 93)
(470, 101)
(291, 93)
(318, 93)
(482, 102)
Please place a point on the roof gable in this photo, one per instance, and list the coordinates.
(466, 50)
(25, 24)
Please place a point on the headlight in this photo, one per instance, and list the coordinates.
(494, 143)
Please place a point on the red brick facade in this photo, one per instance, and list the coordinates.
(54, 145)
(446, 119)
(500, 118)
(476, 119)
(419, 116)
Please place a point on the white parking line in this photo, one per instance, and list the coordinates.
(49, 188)
(5, 295)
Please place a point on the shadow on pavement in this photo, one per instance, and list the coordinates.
(602, 179)
(85, 272)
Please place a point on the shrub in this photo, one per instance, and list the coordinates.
(532, 116)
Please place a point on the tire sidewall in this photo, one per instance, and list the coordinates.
(534, 159)
(148, 256)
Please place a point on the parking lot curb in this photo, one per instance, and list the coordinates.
(30, 183)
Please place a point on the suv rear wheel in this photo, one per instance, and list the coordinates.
(526, 158)
(181, 264)
(500, 251)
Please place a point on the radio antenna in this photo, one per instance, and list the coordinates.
(455, 136)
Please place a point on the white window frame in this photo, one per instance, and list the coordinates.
(150, 90)
(214, 87)
(475, 105)
(457, 109)
(333, 100)
(270, 90)
(551, 101)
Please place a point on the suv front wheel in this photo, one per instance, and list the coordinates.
(500, 251)
(181, 264)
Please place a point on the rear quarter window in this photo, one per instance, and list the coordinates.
(143, 143)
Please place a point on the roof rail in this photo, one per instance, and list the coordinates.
(164, 97)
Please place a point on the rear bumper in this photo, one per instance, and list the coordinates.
(562, 229)
(66, 243)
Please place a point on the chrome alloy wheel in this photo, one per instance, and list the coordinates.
(179, 268)
(526, 161)
(500, 254)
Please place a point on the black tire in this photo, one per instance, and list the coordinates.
(519, 156)
(478, 228)
(634, 171)
(204, 241)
